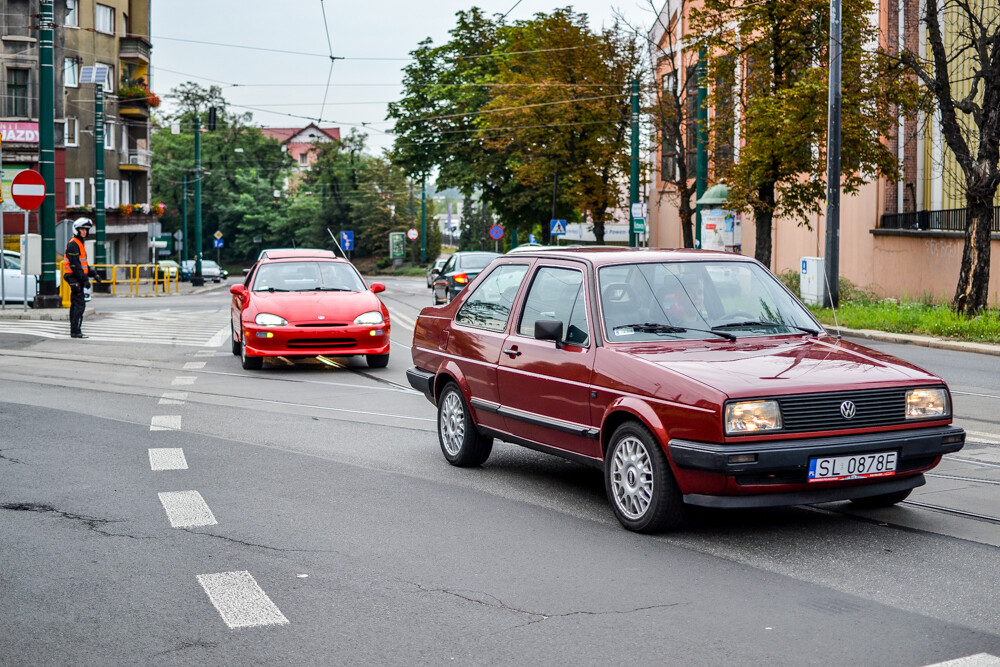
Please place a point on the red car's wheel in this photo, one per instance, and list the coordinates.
(640, 485)
(461, 442)
(377, 360)
(236, 344)
(249, 363)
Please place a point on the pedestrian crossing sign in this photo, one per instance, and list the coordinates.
(557, 227)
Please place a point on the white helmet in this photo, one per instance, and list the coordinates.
(82, 223)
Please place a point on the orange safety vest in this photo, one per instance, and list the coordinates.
(67, 269)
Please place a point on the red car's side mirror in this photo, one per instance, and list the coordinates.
(238, 290)
(377, 287)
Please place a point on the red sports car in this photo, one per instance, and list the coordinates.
(307, 303)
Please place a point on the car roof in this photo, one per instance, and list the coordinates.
(296, 253)
(601, 255)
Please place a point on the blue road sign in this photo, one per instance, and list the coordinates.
(347, 241)
(531, 238)
(557, 227)
(496, 232)
(218, 243)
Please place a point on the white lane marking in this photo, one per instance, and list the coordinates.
(205, 353)
(173, 398)
(406, 320)
(240, 601)
(220, 337)
(977, 660)
(990, 438)
(182, 380)
(972, 393)
(167, 458)
(165, 423)
(194, 365)
(186, 508)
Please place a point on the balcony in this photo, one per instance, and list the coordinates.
(136, 160)
(948, 220)
(134, 48)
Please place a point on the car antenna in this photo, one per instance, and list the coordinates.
(833, 306)
(337, 243)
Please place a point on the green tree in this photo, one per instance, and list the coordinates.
(780, 51)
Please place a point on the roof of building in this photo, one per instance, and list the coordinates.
(286, 134)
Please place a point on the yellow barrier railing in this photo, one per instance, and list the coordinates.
(135, 276)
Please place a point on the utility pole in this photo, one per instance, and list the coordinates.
(99, 219)
(634, 176)
(833, 163)
(48, 296)
(701, 159)
(196, 278)
(547, 235)
(185, 240)
(423, 219)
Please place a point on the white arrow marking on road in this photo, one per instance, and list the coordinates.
(240, 601)
(171, 458)
(186, 509)
(166, 423)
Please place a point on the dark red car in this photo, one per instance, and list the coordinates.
(304, 302)
(689, 377)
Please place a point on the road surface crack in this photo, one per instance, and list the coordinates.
(263, 546)
(185, 646)
(7, 458)
(92, 523)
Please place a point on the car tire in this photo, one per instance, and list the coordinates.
(884, 500)
(377, 360)
(461, 443)
(641, 488)
(249, 363)
(237, 348)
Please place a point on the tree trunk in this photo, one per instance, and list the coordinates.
(763, 216)
(598, 221)
(686, 214)
(972, 293)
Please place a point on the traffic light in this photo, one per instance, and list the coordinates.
(212, 117)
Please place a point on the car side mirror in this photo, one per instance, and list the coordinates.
(377, 287)
(435, 271)
(238, 290)
(550, 330)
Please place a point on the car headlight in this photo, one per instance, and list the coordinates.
(372, 317)
(752, 416)
(927, 403)
(269, 320)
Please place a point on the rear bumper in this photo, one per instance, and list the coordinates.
(333, 341)
(422, 381)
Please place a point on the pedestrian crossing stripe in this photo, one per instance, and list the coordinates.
(195, 328)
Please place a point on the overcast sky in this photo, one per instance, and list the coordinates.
(281, 89)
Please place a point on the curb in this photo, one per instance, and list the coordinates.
(925, 341)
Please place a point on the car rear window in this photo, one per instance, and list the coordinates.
(475, 261)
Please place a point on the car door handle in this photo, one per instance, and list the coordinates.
(512, 351)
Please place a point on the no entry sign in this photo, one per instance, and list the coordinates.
(28, 190)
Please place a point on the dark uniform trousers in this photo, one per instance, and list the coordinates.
(77, 304)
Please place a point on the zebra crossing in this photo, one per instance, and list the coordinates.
(195, 328)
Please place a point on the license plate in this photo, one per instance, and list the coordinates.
(856, 466)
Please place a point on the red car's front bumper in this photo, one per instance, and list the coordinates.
(328, 341)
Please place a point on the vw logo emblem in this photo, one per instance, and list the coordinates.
(848, 409)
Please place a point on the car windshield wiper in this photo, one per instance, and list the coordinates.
(758, 323)
(272, 289)
(655, 327)
(326, 289)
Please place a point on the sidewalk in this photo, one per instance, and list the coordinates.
(911, 339)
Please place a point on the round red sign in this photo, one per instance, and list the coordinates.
(412, 234)
(28, 190)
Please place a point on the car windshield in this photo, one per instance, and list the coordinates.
(686, 300)
(11, 261)
(307, 276)
(475, 261)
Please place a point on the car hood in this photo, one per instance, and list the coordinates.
(298, 307)
(775, 366)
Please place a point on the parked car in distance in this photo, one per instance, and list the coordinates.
(169, 266)
(209, 270)
(460, 269)
(434, 269)
(688, 377)
(13, 279)
(306, 302)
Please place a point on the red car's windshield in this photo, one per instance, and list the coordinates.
(307, 276)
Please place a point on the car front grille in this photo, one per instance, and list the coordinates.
(821, 412)
(319, 325)
(324, 343)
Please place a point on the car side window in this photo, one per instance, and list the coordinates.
(489, 306)
(449, 265)
(557, 294)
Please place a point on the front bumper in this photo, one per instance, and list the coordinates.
(331, 341)
(778, 474)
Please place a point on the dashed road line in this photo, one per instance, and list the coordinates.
(220, 337)
(181, 380)
(186, 509)
(165, 423)
(173, 398)
(977, 660)
(167, 458)
(194, 365)
(240, 601)
(205, 353)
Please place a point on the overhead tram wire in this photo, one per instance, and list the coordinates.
(333, 58)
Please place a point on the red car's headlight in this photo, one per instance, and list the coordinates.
(371, 318)
(269, 320)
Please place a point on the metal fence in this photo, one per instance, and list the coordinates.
(949, 220)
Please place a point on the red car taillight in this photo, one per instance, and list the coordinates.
(461, 278)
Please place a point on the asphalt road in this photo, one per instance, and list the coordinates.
(160, 505)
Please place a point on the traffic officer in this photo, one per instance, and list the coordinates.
(77, 273)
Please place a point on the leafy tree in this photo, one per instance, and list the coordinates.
(780, 51)
(969, 106)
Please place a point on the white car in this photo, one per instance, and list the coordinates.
(13, 281)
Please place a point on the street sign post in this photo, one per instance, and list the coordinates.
(28, 192)
(218, 243)
(412, 234)
(347, 241)
(217, 234)
(557, 227)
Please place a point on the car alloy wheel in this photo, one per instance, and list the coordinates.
(249, 363)
(461, 442)
(640, 485)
